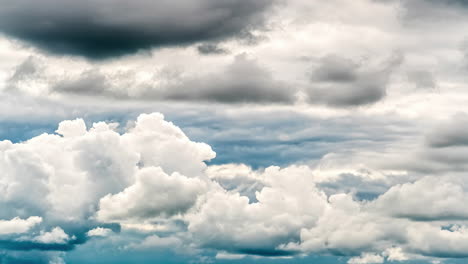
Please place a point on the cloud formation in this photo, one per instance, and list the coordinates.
(102, 29)
(152, 182)
(338, 81)
(371, 149)
(243, 80)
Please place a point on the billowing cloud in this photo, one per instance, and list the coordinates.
(62, 177)
(147, 187)
(154, 194)
(55, 236)
(442, 202)
(100, 29)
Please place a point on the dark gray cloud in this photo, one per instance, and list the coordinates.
(89, 82)
(341, 82)
(450, 133)
(430, 11)
(27, 69)
(242, 81)
(211, 48)
(245, 80)
(100, 29)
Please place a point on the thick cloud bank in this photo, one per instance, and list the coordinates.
(149, 188)
(99, 29)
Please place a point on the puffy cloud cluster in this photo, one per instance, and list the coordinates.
(62, 190)
(149, 185)
(61, 178)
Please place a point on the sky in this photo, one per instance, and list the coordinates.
(233, 131)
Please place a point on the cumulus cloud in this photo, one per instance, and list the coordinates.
(411, 201)
(61, 178)
(99, 232)
(101, 29)
(152, 181)
(154, 194)
(55, 236)
(18, 225)
(367, 259)
(259, 228)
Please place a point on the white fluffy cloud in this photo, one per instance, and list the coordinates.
(154, 194)
(99, 232)
(18, 225)
(150, 179)
(55, 236)
(367, 259)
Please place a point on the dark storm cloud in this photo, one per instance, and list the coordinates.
(100, 29)
(341, 82)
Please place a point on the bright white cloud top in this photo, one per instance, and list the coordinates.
(152, 179)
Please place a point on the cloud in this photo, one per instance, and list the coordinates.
(245, 80)
(62, 177)
(211, 48)
(230, 222)
(242, 80)
(367, 259)
(99, 232)
(422, 79)
(102, 29)
(55, 236)
(18, 225)
(341, 82)
(449, 133)
(409, 200)
(154, 194)
(151, 182)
